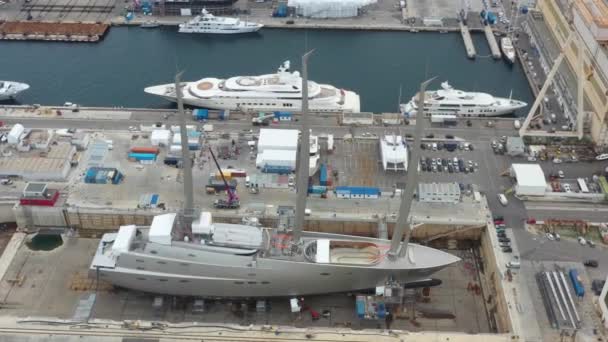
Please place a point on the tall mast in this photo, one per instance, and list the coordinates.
(303, 155)
(186, 162)
(402, 226)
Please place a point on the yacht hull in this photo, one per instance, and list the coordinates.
(277, 280)
(351, 102)
(10, 90)
(252, 29)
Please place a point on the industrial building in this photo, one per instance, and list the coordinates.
(530, 179)
(53, 165)
(439, 192)
(589, 19)
(277, 150)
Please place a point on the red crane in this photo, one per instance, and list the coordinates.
(233, 199)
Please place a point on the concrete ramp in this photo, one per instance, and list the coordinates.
(494, 48)
(468, 41)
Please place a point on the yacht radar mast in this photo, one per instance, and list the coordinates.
(303, 155)
(403, 224)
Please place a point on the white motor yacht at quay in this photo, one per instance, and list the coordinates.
(208, 23)
(9, 89)
(271, 92)
(450, 101)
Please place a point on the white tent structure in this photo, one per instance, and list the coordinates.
(328, 8)
(530, 179)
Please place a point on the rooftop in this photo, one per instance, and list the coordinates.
(529, 175)
(594, 11)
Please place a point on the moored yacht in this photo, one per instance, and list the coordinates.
(272, 92)
(508, 51)
(208, 23)
(450, 101)
(9, 89)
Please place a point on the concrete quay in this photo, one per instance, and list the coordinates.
(494, 48)
(468, 41)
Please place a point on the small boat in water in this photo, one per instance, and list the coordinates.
(506, 45)
(149, 24)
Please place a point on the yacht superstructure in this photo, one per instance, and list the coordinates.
(235, 260)
(9, 89)
(272, 92)
(508, 51)
(450, 101)
(208, 23)
(394, 153)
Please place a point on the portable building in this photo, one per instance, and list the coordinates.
(14, 136)
(278, 139)
(530, 179)
(357, 192)
(160, 137)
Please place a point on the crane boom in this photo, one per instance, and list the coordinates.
(232, 196)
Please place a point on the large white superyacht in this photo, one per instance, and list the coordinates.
(208, 259)
(450, 101)
(9, 89)
(272, 92)
(208, 23)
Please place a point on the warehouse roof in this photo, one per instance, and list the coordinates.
(278, 139)
(529, 175)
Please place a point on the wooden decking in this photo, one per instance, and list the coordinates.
(52, 31)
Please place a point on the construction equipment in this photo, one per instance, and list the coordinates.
(262, 120)
(233, 200)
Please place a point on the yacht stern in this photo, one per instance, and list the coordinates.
(352, 102)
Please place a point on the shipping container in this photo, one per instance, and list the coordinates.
(283, 116)
(277, 169)
(153, 150)
(317, 189)
(219, 185)
(200, 114)
(576, 282)
(142, 156)
(323, 175)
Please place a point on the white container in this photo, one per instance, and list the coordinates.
(175, 149)
(160, 137)
(14, 136)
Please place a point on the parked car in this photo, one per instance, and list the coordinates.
(591, 243)
(550, 236)
(449, 136)
(507, 250)
(561, 174)
(504, 239)
(504, 244)
(503, 199)
(591, 263)
(557, 237)
(515, 264)
(566, 187)
(582, 240)
(501, 234)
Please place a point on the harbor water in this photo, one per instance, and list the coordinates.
(115, 71)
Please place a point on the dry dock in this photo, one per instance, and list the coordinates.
(52, 31)
(468, 42)
(492, 42)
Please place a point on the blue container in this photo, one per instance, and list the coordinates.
(323, 174)
(286, 116)
(224, 114)
(282, 170)
(317, 189)
(576, 283)
(524, 10)
(117, 177)
(194, 147)
(200, 114)
(154, 199)
(381, 310)
(360, 307)
(142, 156)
